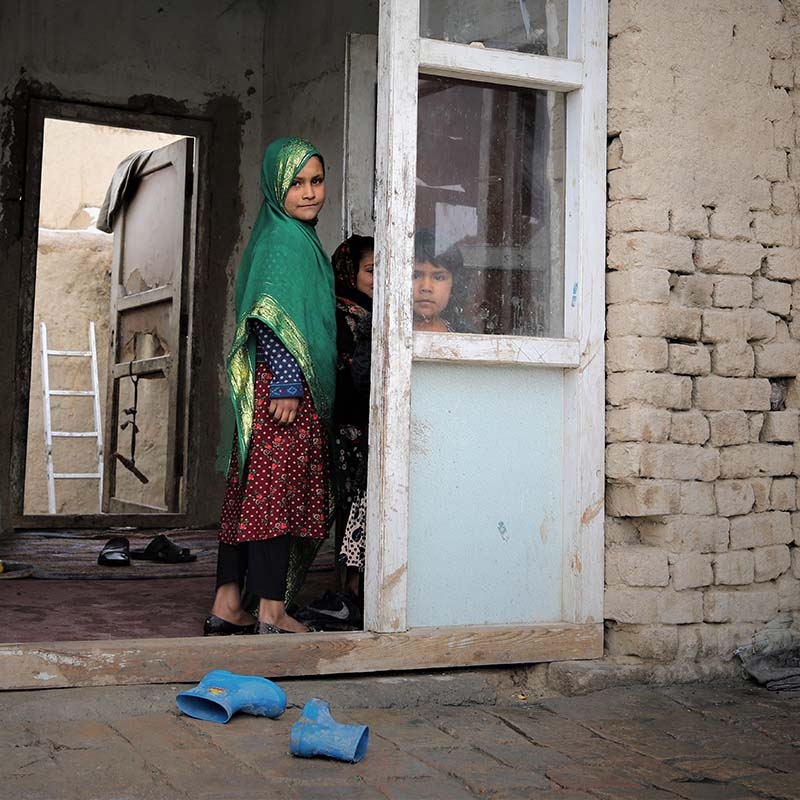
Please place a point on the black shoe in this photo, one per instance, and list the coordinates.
(115, 553)
(333, 611)
(216, 626)
(265, 627)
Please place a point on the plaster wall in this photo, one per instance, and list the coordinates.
(304, 72)
(77, 166)
(73, 276)
(254, 70)
(180, 60)
(703, 347)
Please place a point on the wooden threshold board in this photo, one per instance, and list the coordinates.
(141, 661)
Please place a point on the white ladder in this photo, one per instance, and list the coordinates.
(50, 434)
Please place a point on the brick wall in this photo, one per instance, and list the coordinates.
(703, 324)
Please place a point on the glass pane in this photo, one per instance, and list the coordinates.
(490, 206)
(485, 541)
(528, 26)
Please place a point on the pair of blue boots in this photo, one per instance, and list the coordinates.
(220, 694)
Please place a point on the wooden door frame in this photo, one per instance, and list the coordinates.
(40, 110)
(582, 75)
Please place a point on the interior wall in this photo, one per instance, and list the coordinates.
(183, 60)
(304, 80)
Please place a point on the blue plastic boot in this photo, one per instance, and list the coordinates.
(317, 734)
(221, 694)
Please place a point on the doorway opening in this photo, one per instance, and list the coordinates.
(116, 222)
(68, 462)
(115, 228)
(114, 232)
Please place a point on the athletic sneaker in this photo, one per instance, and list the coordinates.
(334, 611)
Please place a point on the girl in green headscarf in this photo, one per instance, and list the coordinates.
(281, 370)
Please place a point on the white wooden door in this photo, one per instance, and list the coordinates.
(486, 495)
(360, 97)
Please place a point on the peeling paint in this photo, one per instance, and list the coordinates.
(544, 528)
(592, 511)
(420, 435)
(45, 676)
(590, 353)
(59, 658)
(393, 578)
(501, 527)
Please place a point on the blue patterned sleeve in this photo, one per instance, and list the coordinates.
(287, 379)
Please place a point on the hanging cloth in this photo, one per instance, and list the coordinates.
(122, 184)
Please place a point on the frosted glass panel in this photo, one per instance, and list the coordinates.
(485, 500)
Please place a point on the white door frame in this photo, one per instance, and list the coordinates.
(402, 55)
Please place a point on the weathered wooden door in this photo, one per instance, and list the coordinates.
(149, 286)
(486, 438)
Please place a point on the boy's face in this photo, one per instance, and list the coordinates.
(432, 287)
(364, 278)
(306, 196)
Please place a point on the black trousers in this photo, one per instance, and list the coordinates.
(260, 567)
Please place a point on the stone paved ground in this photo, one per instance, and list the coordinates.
(718, 741)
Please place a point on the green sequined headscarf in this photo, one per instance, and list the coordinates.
(285, 280)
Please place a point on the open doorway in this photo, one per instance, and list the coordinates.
(116, 226)
(66, 467)
(88, 608)
(114, 233)
(305, 99)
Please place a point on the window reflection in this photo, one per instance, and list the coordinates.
(490, 186)
(528, 26)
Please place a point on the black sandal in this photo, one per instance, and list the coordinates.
(115, 553)
(216, 626)
(163, 549)
(265, 627)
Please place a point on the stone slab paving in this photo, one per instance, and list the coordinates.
(717, 741)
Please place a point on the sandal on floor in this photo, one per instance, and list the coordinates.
(115, 553)
(216, 626)
(265, 627)
(163, 549)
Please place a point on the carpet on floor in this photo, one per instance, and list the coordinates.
(69, 597)
(57, 555)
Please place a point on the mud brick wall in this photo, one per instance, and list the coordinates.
(703, 325)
